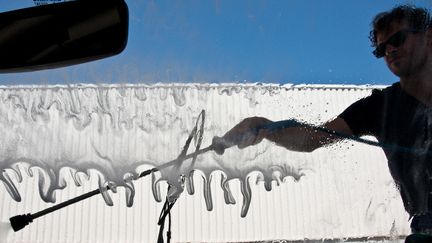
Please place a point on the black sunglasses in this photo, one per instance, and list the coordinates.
(396, 40)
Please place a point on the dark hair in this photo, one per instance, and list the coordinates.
(418, 18)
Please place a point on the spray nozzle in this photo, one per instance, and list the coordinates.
(20, 221)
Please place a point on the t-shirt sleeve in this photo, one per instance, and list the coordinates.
(364, 116)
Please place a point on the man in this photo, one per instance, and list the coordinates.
(400, 115)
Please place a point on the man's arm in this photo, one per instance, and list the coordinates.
(307, 139)
(299, 138)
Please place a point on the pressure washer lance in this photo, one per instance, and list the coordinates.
(20, 221)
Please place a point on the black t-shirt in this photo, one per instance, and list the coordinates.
(399, 120)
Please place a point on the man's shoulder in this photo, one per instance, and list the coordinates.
(365, 115)
(391, 90)
(380, 96)
(395, 87)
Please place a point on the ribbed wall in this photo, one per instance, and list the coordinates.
(346, 191)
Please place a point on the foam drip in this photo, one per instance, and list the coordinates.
(246, 192)
(229, 199)
(10, 186)
(207, 193)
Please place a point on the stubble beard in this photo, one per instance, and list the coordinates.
(411, 69)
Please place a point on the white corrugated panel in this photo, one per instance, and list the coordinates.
(345, 191)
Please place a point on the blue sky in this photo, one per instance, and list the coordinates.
(319, 42)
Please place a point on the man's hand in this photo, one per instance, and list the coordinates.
(248, 132)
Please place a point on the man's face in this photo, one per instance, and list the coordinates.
(408, 58)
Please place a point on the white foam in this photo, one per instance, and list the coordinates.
(114, 129)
